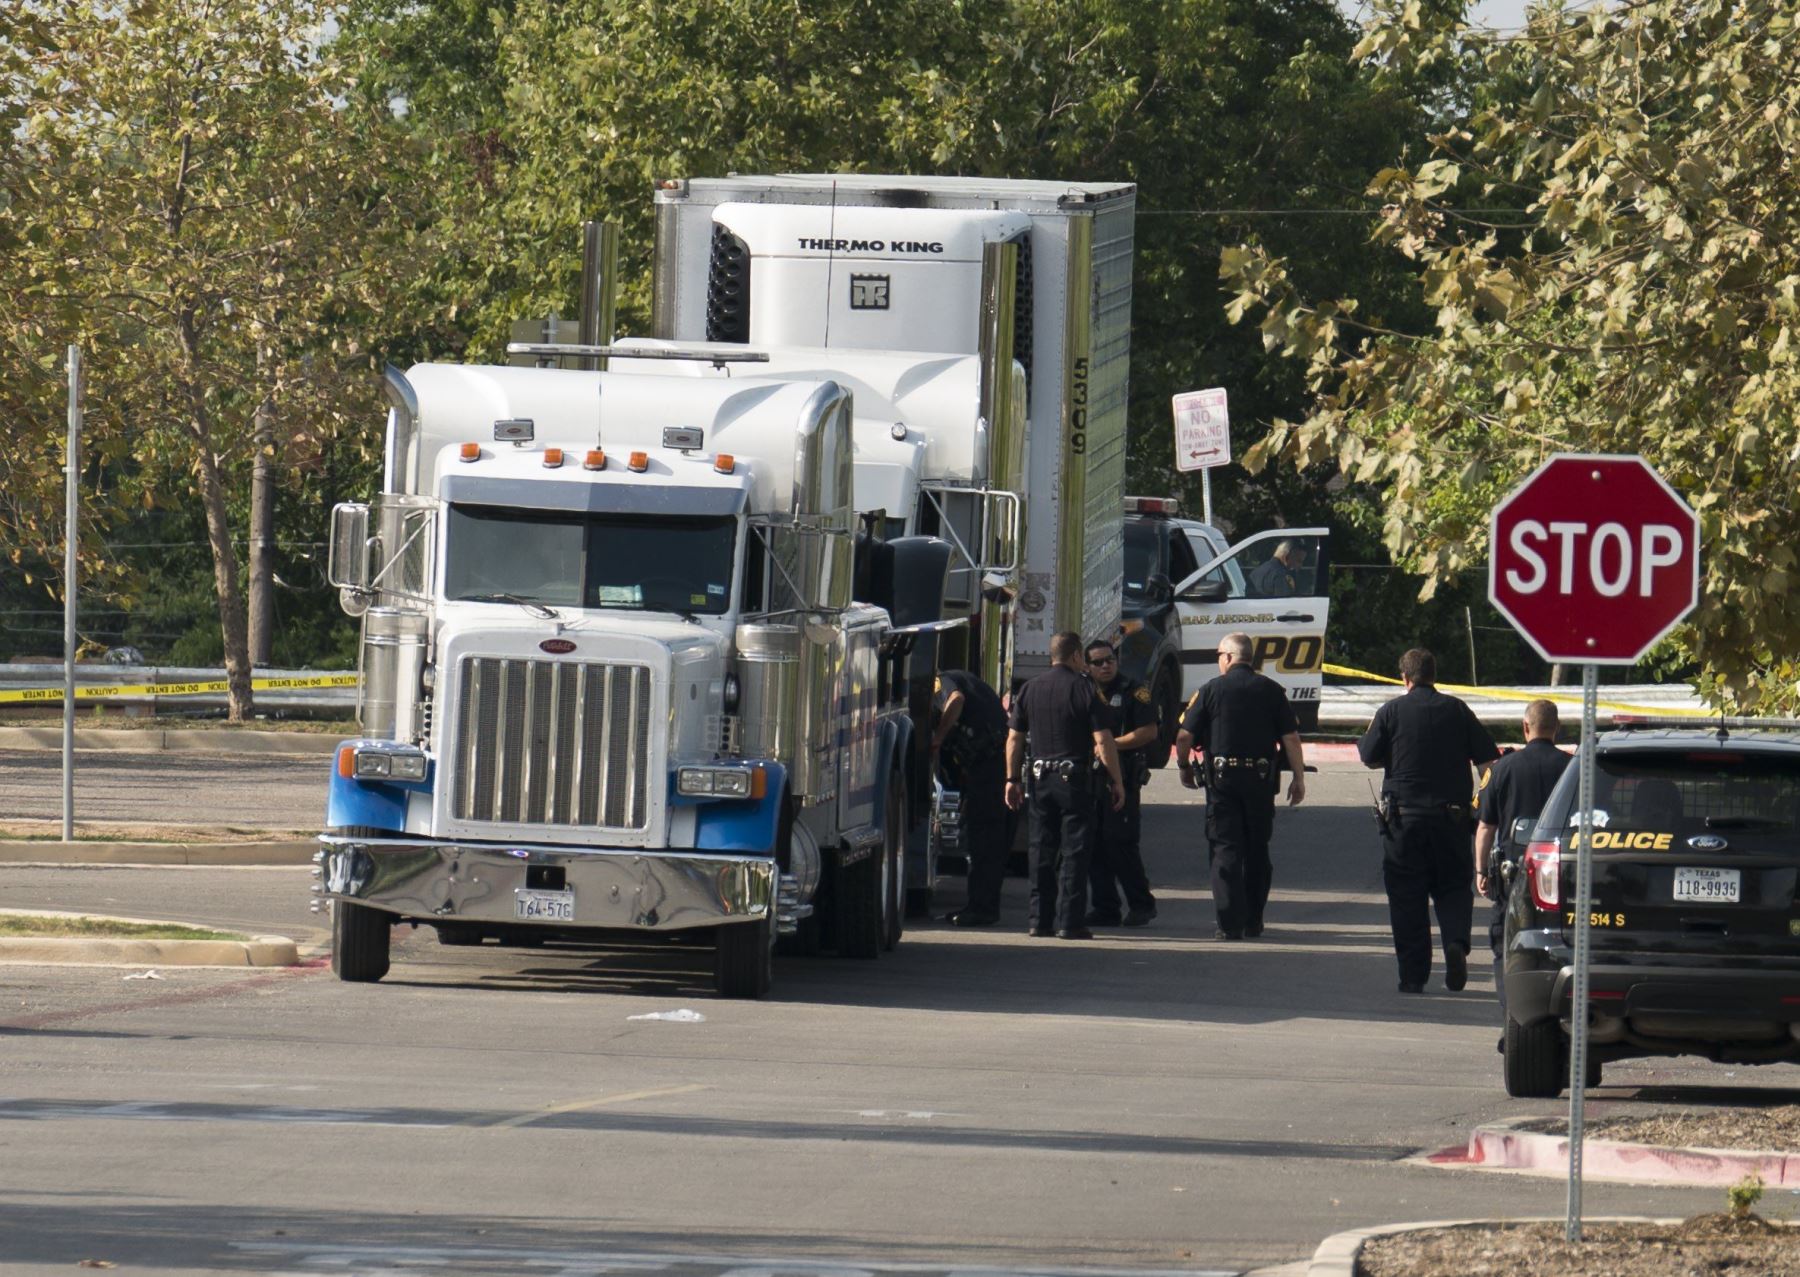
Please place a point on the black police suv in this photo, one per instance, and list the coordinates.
(1693, 917)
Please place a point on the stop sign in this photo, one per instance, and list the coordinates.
(1594, 558)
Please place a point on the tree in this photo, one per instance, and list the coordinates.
(204, 204)
(1634, 291)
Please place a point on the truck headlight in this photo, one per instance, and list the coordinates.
(389, 764)
(719, 782)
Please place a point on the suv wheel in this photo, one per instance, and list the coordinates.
(1534, 1057)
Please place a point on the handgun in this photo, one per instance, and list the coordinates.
(1381, 819)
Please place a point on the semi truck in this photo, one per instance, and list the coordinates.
(629, 666)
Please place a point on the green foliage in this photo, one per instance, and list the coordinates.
(1741, 1198)
(1641, 298)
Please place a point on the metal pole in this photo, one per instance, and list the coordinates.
(1206, 495)
(71, 534)
(1469, 620)
(1582, 902)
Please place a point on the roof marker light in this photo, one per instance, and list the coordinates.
(553, 458)
(639, 462)
(596, 460)
(724, 463)
(471, 452)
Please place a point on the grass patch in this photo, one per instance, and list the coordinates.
(40, 927)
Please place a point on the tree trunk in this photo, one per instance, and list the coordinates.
(225, 578)
(262, 537)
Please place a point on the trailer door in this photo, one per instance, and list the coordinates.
(1274, 588)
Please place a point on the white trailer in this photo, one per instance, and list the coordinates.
(839, 265)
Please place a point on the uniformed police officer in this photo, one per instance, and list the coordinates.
(1513, 789)
(1064, 722)
(1236, 721)
(1278, 578)
(1427, 742)
(1117, 859)
(969, 740)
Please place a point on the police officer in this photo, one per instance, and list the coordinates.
(1278, 578)
(969, 741)
(1064, 722)
(1236, 721)
(1512, 789)
(1116, 857)
(1426, 742)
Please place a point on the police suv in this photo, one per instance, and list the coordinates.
(1186, 588)
(1693, 917)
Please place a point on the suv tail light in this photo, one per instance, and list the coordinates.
(1543, 873)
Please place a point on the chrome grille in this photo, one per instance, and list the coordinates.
(552, 743)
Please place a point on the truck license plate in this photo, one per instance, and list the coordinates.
(1715, 886)
(547, 906)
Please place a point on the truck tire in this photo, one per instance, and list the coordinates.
(857, 905)
(1534, 1060)
(359, 942)
(1165, 695)
(893, 896)
(744, 959)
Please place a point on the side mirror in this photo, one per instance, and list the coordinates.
(348, 566)
(1520, 833)
(1159, 589)
(1208, 592)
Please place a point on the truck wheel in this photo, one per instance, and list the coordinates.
(359, 942)
(893, 894)
(1534, 1058)
(1594, 1070)
(857, 904)
(744, 960)
(1165, 694)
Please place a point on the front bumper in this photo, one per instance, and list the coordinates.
(630, 890)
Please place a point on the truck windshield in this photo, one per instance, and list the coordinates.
(647, 564)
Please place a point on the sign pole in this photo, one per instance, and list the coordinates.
(71, 492)
(1581, 904)
(1206, 495)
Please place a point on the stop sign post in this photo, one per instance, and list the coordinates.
(1593, 559)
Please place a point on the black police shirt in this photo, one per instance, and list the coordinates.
(1129, 701)
(1273, 580)
(982, 711)
(1240, 714)
(1059, 711)
(1426, 741)
(1519, 785)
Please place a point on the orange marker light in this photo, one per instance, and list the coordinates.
(724, 463)
(759, 782)
(596, 460)
(552, 458)
(471, 452)
(640, 462)
(347, 762)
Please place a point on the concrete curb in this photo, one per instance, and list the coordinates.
(1337, 1254)
(1509, 1146)
(176, 740)
(258, 951)
(297, 851)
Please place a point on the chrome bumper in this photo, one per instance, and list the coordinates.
(625, 890)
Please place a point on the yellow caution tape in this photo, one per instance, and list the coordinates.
(1462, 689)
(94, 692)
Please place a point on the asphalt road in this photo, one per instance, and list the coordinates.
(250, 791)
(1153, 1101)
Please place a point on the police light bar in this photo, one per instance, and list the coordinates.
(1153, 505)
(1718, 724)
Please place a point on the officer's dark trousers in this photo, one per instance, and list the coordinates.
(1117, 856)
(984, 832)
(1061, 811)
(1428, 864)
(1496, 941)
(1240, 817)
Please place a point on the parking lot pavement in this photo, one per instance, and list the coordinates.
(254, 791)
(1152, 1101)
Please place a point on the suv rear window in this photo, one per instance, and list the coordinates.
(1690, 791)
